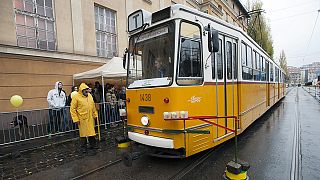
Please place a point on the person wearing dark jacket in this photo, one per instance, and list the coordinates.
(69, 98)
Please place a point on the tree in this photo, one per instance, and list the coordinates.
(283, 63)
(259, 30)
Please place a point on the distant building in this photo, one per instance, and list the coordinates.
(312, 68)
(304, 76)
(294, 75)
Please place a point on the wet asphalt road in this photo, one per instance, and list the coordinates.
(282, 144)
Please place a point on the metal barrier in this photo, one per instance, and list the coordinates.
(313, 91)
(38, 123)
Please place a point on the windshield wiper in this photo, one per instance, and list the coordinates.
(135, 43)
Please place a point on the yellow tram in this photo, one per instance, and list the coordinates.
(183, 64)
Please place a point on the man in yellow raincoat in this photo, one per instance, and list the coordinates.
(84, 113)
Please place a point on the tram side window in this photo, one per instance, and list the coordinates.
(249, 57)
(190, 64)
(263, 71)
(213, 66)
(256, 72)
(271, 72)
(246, 62)
(235, 62)
(254, 62)
(229, 60)
(243, 54)
(220, 61)
(276, 74)
(267, 70)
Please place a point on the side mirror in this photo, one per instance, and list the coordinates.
(213, 40)
(124, 60)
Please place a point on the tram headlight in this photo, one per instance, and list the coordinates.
(183, 114)
(167, 115)
(145, 120)
(175, 115)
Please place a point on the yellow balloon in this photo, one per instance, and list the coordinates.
(73, 94)
(16, 101)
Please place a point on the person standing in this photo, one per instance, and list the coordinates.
(69, 98)
(84, 113)
(57, 100)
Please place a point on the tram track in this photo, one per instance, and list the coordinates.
(104, 166)
(191, 166)
(295, 171)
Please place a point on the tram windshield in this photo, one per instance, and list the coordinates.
(153, 54)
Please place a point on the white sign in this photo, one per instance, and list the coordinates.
(135, 21)
(153, 34)
(150, 82)
(195, 99)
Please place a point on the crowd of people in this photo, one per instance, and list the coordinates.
(86, 106)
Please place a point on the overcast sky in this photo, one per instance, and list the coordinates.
(291, 23)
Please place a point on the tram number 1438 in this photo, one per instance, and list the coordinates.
(145, 97)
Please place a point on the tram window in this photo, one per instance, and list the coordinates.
(213, 67)
(263, 73)
(271, 72)
(254, 62)
(256, 75)
(249, 57)
(246, 73)
(190, 65)
(243, 54)
(235, 62)
(229, 60)
(277, 74)
(259, 62)
(220, 61)
(267, 70)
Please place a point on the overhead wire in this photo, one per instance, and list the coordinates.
(293, 6)
(286, 17)
(314, 27)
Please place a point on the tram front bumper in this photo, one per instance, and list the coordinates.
(151, 140)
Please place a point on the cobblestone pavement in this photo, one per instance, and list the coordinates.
(52, 155)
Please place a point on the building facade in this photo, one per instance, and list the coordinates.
(294, 75)
(44, 41)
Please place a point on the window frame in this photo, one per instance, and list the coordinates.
(179, 55)
(107, 33)
(50, 37)
(227, 59)
(249, 51)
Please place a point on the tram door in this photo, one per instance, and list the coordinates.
(268, 83)
(230, 80)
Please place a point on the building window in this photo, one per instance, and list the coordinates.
(105, 32)
(35, 24)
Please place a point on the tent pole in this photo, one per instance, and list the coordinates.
(104, 104)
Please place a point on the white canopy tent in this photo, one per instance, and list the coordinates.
(112, 69)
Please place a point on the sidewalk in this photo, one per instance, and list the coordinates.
(59, 161)
(308, 115)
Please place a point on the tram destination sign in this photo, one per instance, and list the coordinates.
(153, 34)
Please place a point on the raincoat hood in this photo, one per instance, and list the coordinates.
(56, 85)
(82, 87)
(56, 99)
